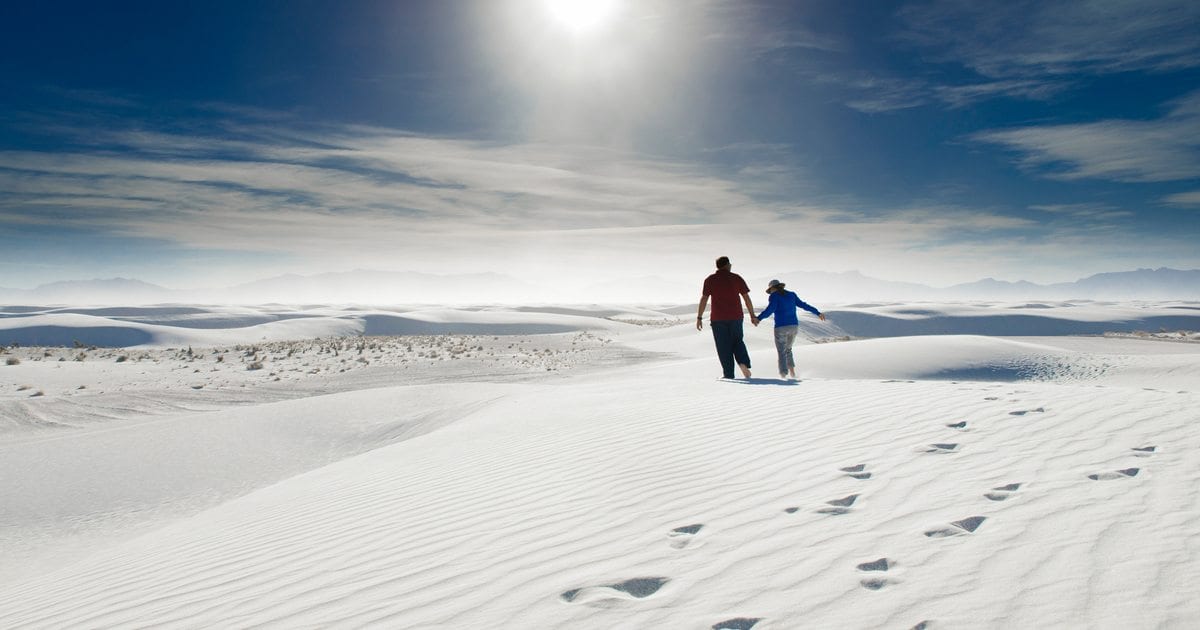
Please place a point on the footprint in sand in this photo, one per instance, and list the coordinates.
(873, 584)
(876, 566)
(839, 506)
(1022, 412)
(958, 425)
(924, 625)
(858, 471)
(957, 528)
(636, 588)
(940, 448)
(737, 623)
(1000, 493)
(1144, 451)
(1118, 474)
(685, 536)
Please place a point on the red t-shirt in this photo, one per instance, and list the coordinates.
(725, 288)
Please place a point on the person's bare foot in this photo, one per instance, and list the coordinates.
(791, 372)
(745, 370)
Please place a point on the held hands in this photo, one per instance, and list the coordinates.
(754, 320)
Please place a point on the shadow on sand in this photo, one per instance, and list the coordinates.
(763, 381)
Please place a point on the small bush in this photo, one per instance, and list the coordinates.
(12, 361)
(123, 358)
(257, 365)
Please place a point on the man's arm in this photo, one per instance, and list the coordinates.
(750, 308)
(700, 312)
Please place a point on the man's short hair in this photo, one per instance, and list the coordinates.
(722, 262)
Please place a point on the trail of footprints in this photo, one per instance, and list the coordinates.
(876, 574)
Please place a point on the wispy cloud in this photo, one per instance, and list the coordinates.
(1045, 38)
(1029, 89)
(878, 94)
(875, 95)
(382, 197)
(1088, 215)
(343, 196)
(1027, 50)
(355, 189)
(1165, 149)
(1190, 199)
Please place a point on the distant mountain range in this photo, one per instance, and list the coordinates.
(111, 291)
(386, 287)
(1142, 284)
(822, 287)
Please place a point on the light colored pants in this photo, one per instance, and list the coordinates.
(785, 336)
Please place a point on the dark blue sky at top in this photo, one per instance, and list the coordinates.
(853, 109)
(410, 65)
(319, 56)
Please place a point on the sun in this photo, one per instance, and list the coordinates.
(581, 16)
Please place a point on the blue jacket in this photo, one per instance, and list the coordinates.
(783, 305)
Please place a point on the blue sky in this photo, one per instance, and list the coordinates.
(205, 144)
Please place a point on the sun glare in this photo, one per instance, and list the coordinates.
(581, 16)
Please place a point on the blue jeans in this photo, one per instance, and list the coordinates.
(731, 346)
(785, 336)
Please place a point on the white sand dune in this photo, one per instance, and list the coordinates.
(183, 326)
(1026, 319)
(951, 481)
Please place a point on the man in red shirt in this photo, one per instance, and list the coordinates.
(725, 287)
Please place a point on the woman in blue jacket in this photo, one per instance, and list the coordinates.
(782, 304)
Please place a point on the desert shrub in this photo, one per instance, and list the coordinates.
(257, 365)
(12, 361)
(123, 358)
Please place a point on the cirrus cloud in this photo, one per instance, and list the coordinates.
(1161, 150)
